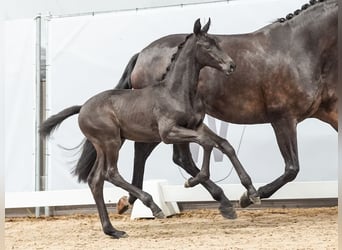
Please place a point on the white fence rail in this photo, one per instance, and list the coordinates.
(170, 193)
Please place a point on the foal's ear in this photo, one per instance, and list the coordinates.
(206, 27)
(197, 27)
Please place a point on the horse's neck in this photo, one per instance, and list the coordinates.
(183, 76)
(312, 28)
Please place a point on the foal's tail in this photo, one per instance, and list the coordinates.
(88, 155)
(54, 121)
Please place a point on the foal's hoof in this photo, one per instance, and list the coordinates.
(117, 234)
(190, 182)
(228, 212)
(159, 215)
(255, 200)
(246, 200)
(122, 205)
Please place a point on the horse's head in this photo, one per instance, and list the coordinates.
(209, 52)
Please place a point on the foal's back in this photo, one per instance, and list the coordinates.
(126, 114)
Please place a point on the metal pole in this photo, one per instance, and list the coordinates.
(40, 149)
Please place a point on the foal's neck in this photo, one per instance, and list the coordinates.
(182, 78)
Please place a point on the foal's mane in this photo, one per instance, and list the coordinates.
(298, 11)
(175, 56)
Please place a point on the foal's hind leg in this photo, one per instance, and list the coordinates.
(95, 182)
(112, 175)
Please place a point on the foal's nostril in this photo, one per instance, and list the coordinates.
(232, 67)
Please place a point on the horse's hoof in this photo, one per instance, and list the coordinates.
(255, 200)
(122, 234)
(247, 200)
(244, 200)
(159, 215)
(116, 234)
(228, 212)
(186, 184)
(122, 205)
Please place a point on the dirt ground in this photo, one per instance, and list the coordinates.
(314, 228)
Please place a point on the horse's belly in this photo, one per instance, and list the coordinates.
(238, 114)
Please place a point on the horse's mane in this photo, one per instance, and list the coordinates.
(174, 57)
(298, 11)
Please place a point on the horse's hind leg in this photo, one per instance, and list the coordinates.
(141, 152)
(95, 182)
(330, 117)
(204, 173)
(182, 157)
(113, 176)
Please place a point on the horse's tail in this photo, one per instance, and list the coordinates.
(86, 161)
(88, 155)
(125, 80)
(54, 121)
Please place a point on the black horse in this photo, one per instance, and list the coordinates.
(170, 110)
(287, 72)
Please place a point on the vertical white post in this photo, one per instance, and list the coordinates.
(40, 147)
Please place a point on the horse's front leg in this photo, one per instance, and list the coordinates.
(225, 147)
(286, 134)
(142, 151)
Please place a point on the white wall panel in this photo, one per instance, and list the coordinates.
(19, 105)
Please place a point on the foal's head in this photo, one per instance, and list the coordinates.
(209, 52)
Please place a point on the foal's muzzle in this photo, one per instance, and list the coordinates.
(230, 68)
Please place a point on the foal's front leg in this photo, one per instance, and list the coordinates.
(224, 146)
(208, 139)
(177, 134)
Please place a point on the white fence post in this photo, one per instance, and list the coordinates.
(41, 180)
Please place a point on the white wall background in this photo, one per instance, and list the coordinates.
(19, 105)
(87, 54)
